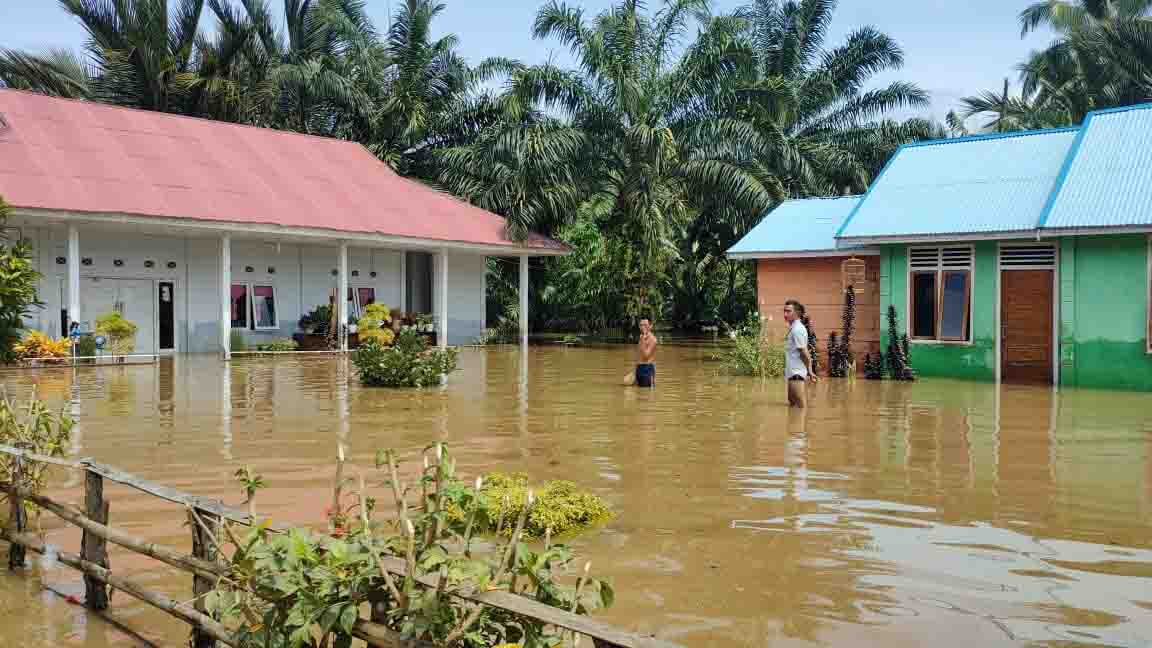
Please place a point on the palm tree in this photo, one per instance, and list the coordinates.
(1088, 67)
(636, 131)
(59, 73)
(141, 55)
(1067, 17)
(810, 106)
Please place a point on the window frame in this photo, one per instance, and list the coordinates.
(246, 309)
(912, 274)
(250, 306)
(940, 271)
(944, 272)
(355, 308)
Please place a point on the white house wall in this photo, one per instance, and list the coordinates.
(302, 278)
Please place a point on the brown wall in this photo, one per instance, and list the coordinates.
(816, 282)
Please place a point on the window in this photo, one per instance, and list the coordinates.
(240, 306)
(254, 307)
(359, 297)
(264, 307)
(940, 287)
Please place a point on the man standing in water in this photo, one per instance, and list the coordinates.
(645, 355)
(797, 364)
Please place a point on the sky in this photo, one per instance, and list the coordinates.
(951, 49)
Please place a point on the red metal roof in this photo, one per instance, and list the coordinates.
(80, 156)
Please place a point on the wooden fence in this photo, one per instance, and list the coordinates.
(205, 567)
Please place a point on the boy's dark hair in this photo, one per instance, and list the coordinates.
(796, 306)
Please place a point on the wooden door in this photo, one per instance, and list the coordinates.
(1026, 338)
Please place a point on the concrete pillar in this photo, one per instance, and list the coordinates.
(524, 302)
(73, 277)
(226, 296)
(442, 298)
(342, 297)
(403, 281)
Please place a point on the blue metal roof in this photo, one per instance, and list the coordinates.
(1107, 180)
(972, 185)
(796, 226)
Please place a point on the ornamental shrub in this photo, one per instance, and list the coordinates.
(41, 346)
(121, 333)
(408, 363)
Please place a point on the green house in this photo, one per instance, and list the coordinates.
(1020, 257)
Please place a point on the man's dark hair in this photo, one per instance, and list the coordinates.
(796, 306)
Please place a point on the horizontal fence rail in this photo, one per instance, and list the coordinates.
(92, 562)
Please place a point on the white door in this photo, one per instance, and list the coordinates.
(135, 300)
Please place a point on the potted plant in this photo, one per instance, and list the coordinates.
(120, 333)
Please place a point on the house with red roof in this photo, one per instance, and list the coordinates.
(196, 229)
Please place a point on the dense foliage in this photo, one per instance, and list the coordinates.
(18, 279)
(304, 589)
(120, 332)
(561, 508)
(409, 362)
(35, 428)
(675, 130)
(1101, 58)
(751, 352)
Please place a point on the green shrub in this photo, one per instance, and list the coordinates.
(86, 346)
(408, 363)
(18, 280)
(120, 332)
(370, 326)
(236, 341)
(37, 429)
(749, 355)
(278, 345)
(560, 505)
(318, 321)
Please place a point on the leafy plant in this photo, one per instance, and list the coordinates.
(813, 350)
(371, 324)
(898, 368)
(304, 589)
(561, 507)
(34, 428)
(120, 332)
(86, 346)
(18, 281)
(317, 321)
(874, 366)
(41, 346)
(750, 353)
(237, 341)
(841, 361)
(278, 345)
(407, 363)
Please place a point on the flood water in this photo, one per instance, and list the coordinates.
(938, 513)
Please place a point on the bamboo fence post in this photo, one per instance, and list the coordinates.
(16, 520)
(93, 548)
(204, 548)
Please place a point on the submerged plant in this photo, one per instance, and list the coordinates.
(874, 366)
(41, 346)
(898, 368)
(121, 333)
(813, 350)
(305, 589)
(561, 509)
(32, 427)
(407, 363)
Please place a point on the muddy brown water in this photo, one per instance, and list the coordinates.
(944, 513)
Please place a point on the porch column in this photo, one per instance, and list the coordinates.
(524, 302)
(73, 278)
(226, 296)
(342, 297)
(442, 297)
(403, 281)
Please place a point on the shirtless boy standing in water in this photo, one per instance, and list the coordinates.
(646, 354)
